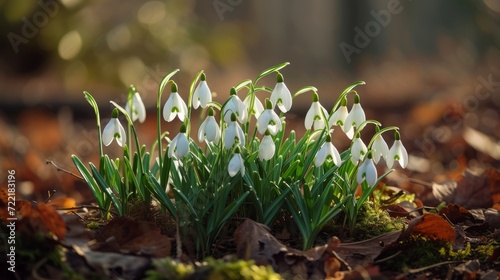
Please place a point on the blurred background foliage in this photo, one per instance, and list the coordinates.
(103, 46)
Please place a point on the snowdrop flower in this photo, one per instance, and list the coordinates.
(327, 152)
(138, 110)
(202, 94)
(281, 96)
(233, 132)
(269, 120)
(114, 130)
(179, 147)
(358, 149)
(267, 147)
(209, 129)
(236, 106)
(174, 106)
(339, 116)
(355, 117)
(257, 107)
(316, 114)
(397, 153)
(236, 164)
(367, 171)
(379, 148)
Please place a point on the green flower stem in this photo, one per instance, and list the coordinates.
(346, 91)
(93, 103)
(163, 83)
(395, 128)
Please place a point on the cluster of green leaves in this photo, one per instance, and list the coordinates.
(206, 197)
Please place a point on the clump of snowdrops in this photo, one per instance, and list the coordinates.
(243, 162)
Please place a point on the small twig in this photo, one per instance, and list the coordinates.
(63, 170)
(417, 270)
(50, 194)
(420, 182)
(37, 267)
(86, 206)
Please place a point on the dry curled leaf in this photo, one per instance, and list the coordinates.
(471, 190)
(254, 241)
(32, 218)
(431, 226)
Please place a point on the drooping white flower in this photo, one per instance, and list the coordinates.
(316, 115)
(236, 164)
(179, 147)
(397, 153)
(114, 130)
(379, 148)
(358, 150)
(257, 107)
(209, 129)
(339, 116)
(280, 95)
(269, 120)
(327, 152)
(355, 117)
(367, 172)
(202, 94)
(233, 133)
(175, 106)
(267, 147)
(236, 106)
(138, 110)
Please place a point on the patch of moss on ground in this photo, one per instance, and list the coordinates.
(371, 222)
(417, 252)
(211, 269)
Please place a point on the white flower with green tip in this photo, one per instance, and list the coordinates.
(367, 171)
(257, 107)
(233, 133)
(281, 96)
(266, 147)
(269, 120)
(236, 106)
(355, 117)
(327, 152)
(138, 110)
(379, 148)
(236, 164)
(114, 130)
(202, 94)
(175, 106)
(339, 116)
(209, 129)
(179, 147)
(315, 116)
(397, 153)
(358, 149)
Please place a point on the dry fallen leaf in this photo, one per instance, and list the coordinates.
(471, 190)
(456, 213)
(32, 218)
(254, 241)
(132, 237)
(431, 226)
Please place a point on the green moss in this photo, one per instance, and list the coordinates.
(92, 225)
(210, 269)
(417, 252)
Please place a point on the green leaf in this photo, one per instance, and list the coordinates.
(165, 80)
(271, 70)
(105, 187)
(96, 190)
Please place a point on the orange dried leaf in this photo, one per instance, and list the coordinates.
(432, 226)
